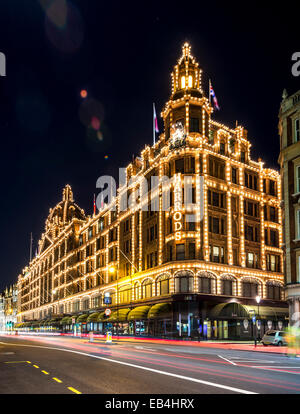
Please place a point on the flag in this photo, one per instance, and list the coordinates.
(94, 205)
(101, 201)
(212, 93)
(155, 124)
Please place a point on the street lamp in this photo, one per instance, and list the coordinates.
(258, 299)
(112, 270)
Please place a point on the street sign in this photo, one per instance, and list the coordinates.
(107, 312)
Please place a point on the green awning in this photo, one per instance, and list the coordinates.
(159, 309)
(93, 317)
(229, 310)
(82, 318)
(141, 312)
(101, 317)
(119, 315)
(267, 311)
(65, 320)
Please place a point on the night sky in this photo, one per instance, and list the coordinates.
(122, 53)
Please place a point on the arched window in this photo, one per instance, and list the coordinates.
(184, 282)
(163, 285)
(147, 289)
(96, 301)
(207, 282)
(124, 294)
(274, 290)
(85, 304)
(228, 285)
(190, 81)
(76, 306)
(249, 288)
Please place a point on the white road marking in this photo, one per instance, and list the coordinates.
(228, 360)
(278, 370)
(143, 347)
(212, 384)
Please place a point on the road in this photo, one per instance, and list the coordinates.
(64, 365)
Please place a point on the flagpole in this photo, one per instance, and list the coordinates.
(31, 239)
(209, 97)
(153, 121)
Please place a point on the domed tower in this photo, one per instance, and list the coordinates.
(60, 216)
(187, 107)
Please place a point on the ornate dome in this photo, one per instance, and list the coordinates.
(64, 211)
(59, 217)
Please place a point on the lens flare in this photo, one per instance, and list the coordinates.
(83, 93)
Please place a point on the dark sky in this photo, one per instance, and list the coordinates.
(122, 53)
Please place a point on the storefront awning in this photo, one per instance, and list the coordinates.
(93, 317)
(233, 310)
(159, 309)
(118, 315)
(65, 320)
(229, 310)
(141, 312)
(101, 317)
(82, 318)
(267, 311)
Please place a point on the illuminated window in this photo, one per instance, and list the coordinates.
(182, 82)
(190, 81)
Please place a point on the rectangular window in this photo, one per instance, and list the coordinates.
(217, 254)
(272, 187)
(194, 125)
(297, 130)
(250, 260)
(227, 287)
(298, 224)
(222, 148)
(234, 175)
(272, 214)
(192, 251)
(180, 252)
(179, 166)
(298, 179)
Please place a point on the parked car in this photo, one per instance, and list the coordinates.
(274, 338)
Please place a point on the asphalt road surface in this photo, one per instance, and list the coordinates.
(64, 365)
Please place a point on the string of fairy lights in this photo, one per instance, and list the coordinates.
(186, 79)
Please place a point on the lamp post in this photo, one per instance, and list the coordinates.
(112, 270)
(258, 299)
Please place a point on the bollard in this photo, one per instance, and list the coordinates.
(108, 337)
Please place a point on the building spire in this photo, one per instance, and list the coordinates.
(68, 193)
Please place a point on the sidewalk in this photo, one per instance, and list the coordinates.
(222, 344)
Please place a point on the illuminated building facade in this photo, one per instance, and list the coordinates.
(191, 269)
(289, 130)
(8, 308)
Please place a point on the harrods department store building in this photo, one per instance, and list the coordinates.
(192, 269)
